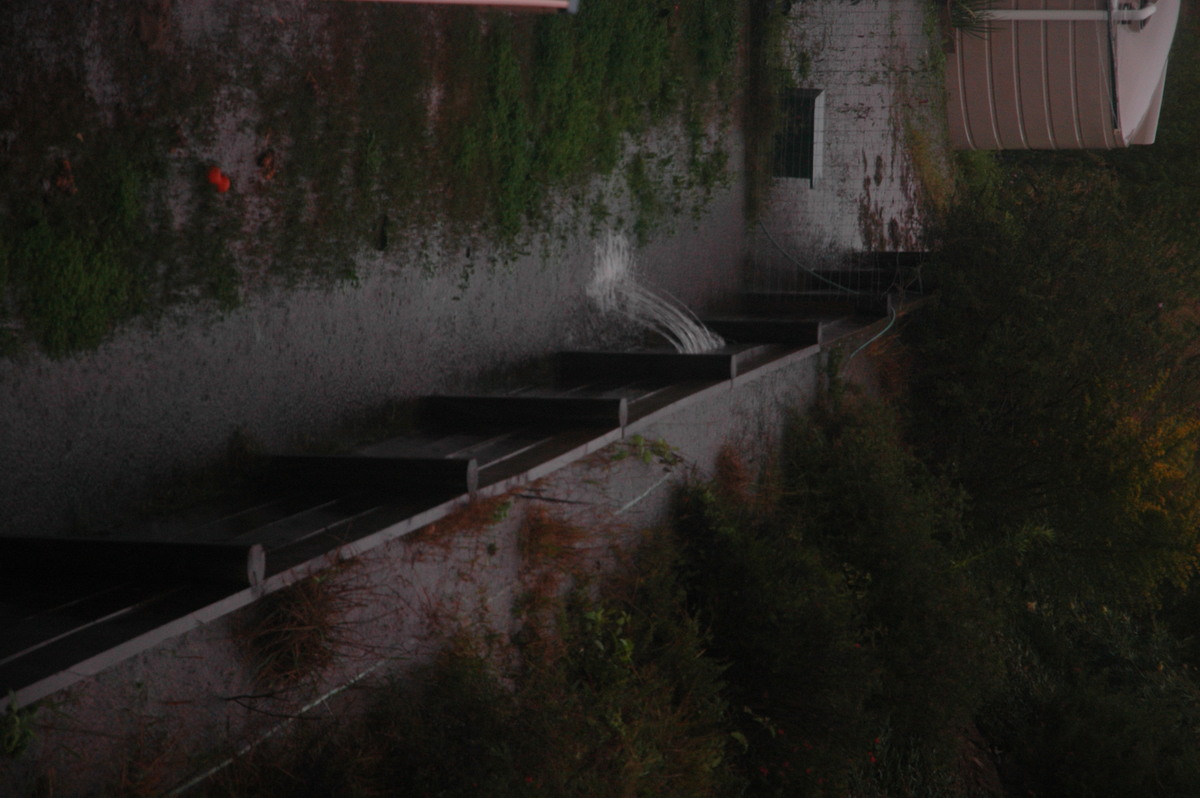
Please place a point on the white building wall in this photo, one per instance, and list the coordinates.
(872, 59)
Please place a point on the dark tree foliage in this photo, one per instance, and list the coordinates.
(1166, 175)
(1058, 375)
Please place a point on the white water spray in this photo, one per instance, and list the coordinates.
(615, 288)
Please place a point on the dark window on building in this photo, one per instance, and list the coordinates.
(795, 143)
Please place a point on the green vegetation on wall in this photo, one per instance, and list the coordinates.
(386, 123)
(68, 265)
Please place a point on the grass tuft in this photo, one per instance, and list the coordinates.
(732, 478)
(294, 635)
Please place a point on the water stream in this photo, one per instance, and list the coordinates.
(615, 288)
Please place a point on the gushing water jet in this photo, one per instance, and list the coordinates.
(615, 289)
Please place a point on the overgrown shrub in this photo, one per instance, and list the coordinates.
(1098, 703)
(865, 500)
(849, 629)
(617, 699)
(836, 634)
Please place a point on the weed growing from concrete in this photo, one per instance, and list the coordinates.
(545, 536)
(16, 730)
(294, 635)
(612, 697)
(648, 451)
(471, 518)
(149, 769)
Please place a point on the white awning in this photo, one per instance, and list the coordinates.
(1141, 66)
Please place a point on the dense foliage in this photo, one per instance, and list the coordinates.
(1058, 368)
(593, 697)
(880, 647)
(853, 640)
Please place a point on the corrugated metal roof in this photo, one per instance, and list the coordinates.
(1055, 83)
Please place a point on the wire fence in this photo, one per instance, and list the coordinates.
(845, 188)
